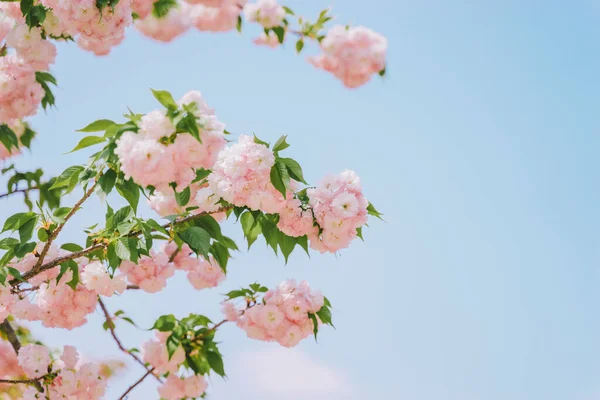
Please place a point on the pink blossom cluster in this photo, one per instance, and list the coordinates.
(268, 13)
(96, 278)
(149, 161)
(9, 367)
(201, 196)
(28, 262)
(201, 273)
(339, 207)
(97, 32)
(176, 388)
(29, 44)
(61, 306)
(165, 29)
(352, 54)
(73, 380)
(19, 129)
(294, 219)
(142, 8)
(150, 273)
(215, 15)
(241, 176)
(284, 315)
(154, 352)
(20, 93)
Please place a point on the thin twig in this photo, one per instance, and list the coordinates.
(33, 272)
(28, 381)
(111, 328)
(18, 191)
(135, 384)
(59, 228)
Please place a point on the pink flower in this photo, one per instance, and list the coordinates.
(294, 220)
(151, 273)
(172, 389)
(353, 55)
(95, 277)
(194, 386)
(20, 94)
(69, 356)
(167, 28)
(155, 353)
(269, 40)
(35, 360)
(205, 274)
(266, 12)
(213, 17)
(231, 313)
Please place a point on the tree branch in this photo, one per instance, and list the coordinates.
(136, 383)
(111, 328)
(33, 272)
(11, 335)
(28, 381)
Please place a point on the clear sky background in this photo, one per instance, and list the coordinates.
(481, 149)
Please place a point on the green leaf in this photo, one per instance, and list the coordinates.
(271, 233)
(98, 126)
(303, 242)
(194, 320)
(293, 168)
(281, 144)
(130, 191)
(36, 16)
(43, 78)
(382, 72)
(313, 318)
(250, 227)
(235, 294)
(372, 211)
(107, 181)
(216, 362)
(359, 233)
(27, 136)
(201, 174)
(210, 224)
(162, 7)
(126, 249)
(221, 254)
(64, 179)
(288, 10)
(258, 141)
(87, 142)
(26, 230)
(26, 6)
(123, 214)
(15, 221)
(228, 242)
(325, 315)
(15, 273)
(165, 323)
(8, 138)
(24, 248)
(8, 243)
(280, 32)
(72, 247)
(299, 45)
(277, 179)
(165, 98)
(156, 226)
(238, 26)
(287, 244)
(198, 240)
(182, 197)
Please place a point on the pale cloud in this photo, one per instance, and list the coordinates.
(278, 374)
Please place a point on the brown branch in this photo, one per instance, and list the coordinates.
(28, 381)
(60, 227)
(11, 335)
(136, 383)
(24, 191)
(111, 328)
(33, 272)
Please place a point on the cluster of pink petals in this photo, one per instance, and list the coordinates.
(28, 262)
(266, 12)
(352, 54)
(150, 162)
(165, 29)
(294, 220)
(20, 93)
(201, 273)
(201, 197)
(9, 367)
(176, 388)
(269, 40)
(97, 32)
(241, 176)
(154, 352)
(35, 360)
(339, 207)
(29, 44)
(19, 129)
(284, 315)
(61, 306)
(72, 381)
(216, 16)
(150, 273)
(96, 278)
(142, 8)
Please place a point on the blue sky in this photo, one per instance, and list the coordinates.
(481, 149)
